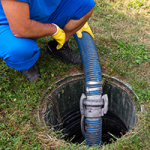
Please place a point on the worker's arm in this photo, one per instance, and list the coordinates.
(21, 25)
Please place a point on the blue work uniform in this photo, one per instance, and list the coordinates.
(22, 53)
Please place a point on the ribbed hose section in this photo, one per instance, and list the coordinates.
(93, 132)
(93, 85)
(91, 64)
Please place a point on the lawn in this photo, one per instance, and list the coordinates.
(122, 38)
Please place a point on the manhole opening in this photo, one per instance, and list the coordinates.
(112, 127)
(61, 109)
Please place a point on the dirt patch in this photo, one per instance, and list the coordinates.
(146, 42)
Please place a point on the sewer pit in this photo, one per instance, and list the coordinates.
(60, 109)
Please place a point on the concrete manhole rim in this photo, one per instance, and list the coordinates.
(71, 77)
(109, 78)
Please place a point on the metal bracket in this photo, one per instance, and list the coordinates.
(89, 108)
(105, 108)
(93, 108)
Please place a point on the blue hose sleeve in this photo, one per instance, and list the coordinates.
(90, 61)
(93, 132)
(92, 72)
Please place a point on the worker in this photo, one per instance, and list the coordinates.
(22, 22)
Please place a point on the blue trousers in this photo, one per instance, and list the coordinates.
(22, 53)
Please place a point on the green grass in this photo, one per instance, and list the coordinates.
(122, 39)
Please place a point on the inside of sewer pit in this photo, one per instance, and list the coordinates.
(61, 108)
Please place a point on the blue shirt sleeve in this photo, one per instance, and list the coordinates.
(40, 10)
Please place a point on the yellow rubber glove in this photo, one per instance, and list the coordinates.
(60, 37)
(85, 28)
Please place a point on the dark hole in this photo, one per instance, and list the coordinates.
(70, 126)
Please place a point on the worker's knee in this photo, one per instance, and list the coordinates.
(16, 49)
(21, 50)
(22, 55)
(18, 53)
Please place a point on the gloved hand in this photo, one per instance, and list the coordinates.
(60, 37)
(85, 28)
